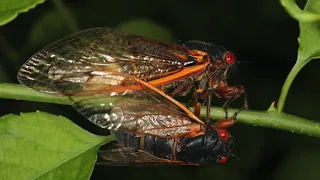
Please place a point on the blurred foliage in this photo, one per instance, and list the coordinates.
(141, 27)
(259, 32)
(43, 28)
(299, 163)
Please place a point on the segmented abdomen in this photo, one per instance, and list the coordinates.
(159, 147)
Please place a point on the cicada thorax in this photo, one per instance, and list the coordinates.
(213, 79)
(183, 86)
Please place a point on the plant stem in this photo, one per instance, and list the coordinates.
(286, 86)
(294, 10)
(271, 119)
(19, 92)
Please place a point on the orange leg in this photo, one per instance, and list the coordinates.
(232, 93)
(197, 109)
(225, 123)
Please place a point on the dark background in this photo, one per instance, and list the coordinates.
(260, 32)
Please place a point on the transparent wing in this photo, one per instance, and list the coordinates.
(98, 69)
(96, 59)
(126, 154)
(129, 157)
(143, 112)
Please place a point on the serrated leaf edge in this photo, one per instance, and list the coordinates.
(19, 11)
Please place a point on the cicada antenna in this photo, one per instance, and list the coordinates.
(239, 62)
(235, 156)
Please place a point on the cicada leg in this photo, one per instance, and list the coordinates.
(231, 93)
(207, 96)
(197, 109)
(225, 123)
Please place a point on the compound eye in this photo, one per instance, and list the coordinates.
(230, 58)
(224, 134)
(223, 160)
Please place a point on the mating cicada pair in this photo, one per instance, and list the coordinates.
(125, 83)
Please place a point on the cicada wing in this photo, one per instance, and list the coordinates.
(144, 112)
(130, 157)
(96, 59)
(161, 50)
(126, 154)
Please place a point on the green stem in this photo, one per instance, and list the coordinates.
(270, 118)
(286, 86)
(294, 10)
(273, 120)
(67, 16)
(19, 92)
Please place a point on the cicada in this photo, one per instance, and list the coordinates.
(97, 60)
(154, 129)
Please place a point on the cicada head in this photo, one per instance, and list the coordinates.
(221, 59)
(218, 145)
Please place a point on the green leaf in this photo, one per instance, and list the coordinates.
(309, 40)
(9, 9)
(147, 28)
(309, 22)
(44, 146)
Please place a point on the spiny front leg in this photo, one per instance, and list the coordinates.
(231, 93)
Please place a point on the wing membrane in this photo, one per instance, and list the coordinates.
(143, 112)
(130, 157)
(97, 58)
(99, 68)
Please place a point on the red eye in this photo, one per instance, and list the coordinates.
(224, 135)
(223, 160)
(230, 57)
